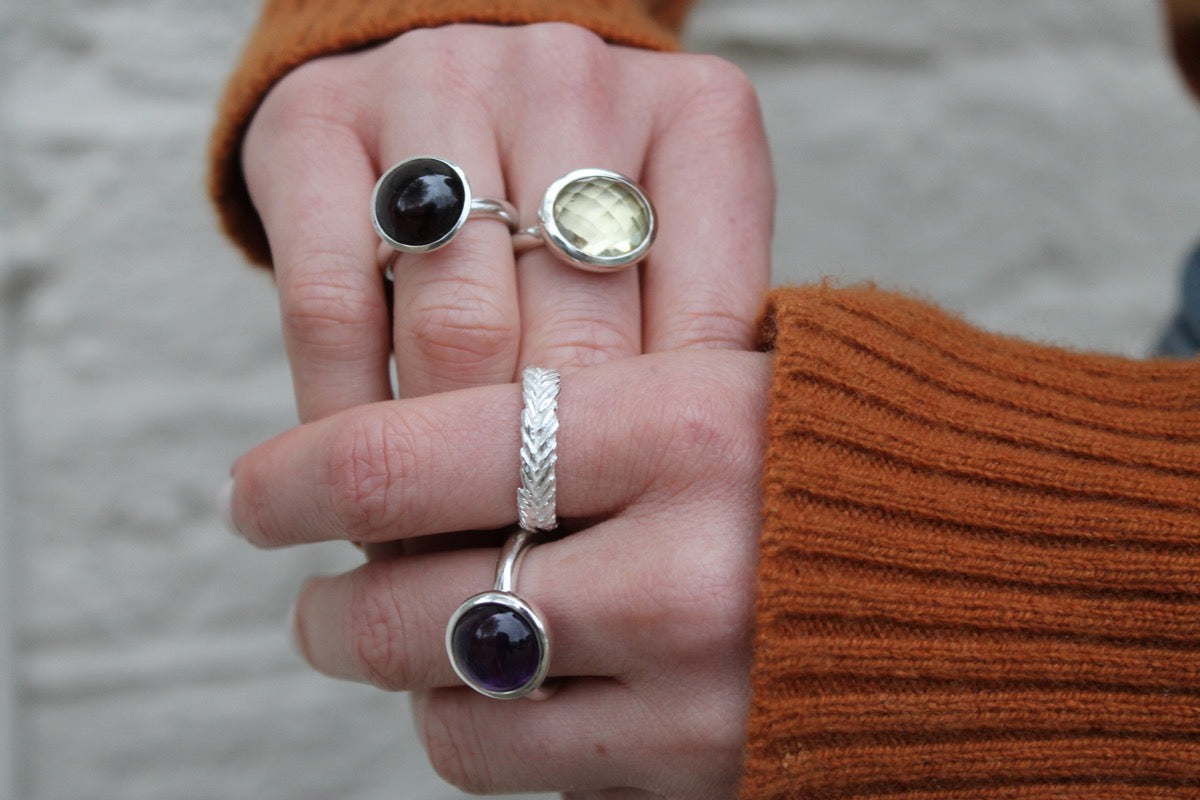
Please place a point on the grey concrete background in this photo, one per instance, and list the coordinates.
(1030, 164)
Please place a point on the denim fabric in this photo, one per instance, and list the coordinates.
(1182, 337)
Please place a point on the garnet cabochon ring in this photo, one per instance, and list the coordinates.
(421, 203)
(497, 642)
(595, 220)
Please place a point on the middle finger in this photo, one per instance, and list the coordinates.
(457, 322)
(572, 318)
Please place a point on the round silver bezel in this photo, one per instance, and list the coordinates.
(562, 247)
(382, 187)
(508, 600)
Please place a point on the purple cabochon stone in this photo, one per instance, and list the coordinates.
(497, 647)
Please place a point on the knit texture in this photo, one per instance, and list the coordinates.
(980, 566)
(291, 32)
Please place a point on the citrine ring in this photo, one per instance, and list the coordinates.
(594, 220)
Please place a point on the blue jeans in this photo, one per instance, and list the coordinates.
(1181, 339)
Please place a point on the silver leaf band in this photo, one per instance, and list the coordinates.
(539, 444)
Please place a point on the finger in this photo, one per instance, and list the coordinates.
(709, 173)
(572, 318)
(457, 322)
(628, 430)
(385, 622)
(308, 174)
(586, 737)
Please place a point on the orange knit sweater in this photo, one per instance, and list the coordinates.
(980, 559)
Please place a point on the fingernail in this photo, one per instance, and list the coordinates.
(225, 506)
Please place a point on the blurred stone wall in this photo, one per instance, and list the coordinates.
(1032, 165)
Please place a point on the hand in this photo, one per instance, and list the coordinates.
(516, 108)
(650, 607)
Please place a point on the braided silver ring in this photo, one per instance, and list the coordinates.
(498, 643)
(421, 203)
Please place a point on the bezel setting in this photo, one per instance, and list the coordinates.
(560, 243)
(399, 176)
(530, 615)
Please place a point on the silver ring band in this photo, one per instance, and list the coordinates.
(498, 643)
(493, 208)
(420, 204)
(536, 499)
(593, 219)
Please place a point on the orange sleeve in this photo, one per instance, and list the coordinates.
(291, 32)
(1183, 19)
(980, 563)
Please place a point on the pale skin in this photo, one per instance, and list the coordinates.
(516, 108)
(650, 606)
(649, 601)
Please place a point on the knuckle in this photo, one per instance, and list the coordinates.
(329, 306)
(448, 62)
(710, 443)
(713, 593)
(313, 95)
(574, 60)
(722, 78)
(711, 725)
(452, 744)
(255, 491)
(725, 97)
(370, 460)
(699, 427)
(583, 339)
(378, 643)
(547, 39)
(713, 326)
(463, 332)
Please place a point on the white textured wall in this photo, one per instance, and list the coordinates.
(1034, 165)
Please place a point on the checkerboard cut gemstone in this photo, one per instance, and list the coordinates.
(602, 217)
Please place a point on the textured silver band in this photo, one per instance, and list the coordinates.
(539, 445)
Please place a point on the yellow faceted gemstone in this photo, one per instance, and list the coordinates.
(602, 217)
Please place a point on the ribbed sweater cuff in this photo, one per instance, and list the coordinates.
(291, 32)
(980, 570)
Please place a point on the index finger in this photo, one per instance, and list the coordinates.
(628, 430)
(308, 175)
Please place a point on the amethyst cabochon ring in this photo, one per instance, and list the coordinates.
(421, 203)
(497, 642)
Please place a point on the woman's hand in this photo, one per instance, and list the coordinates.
(516, 108)
(649, 605)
